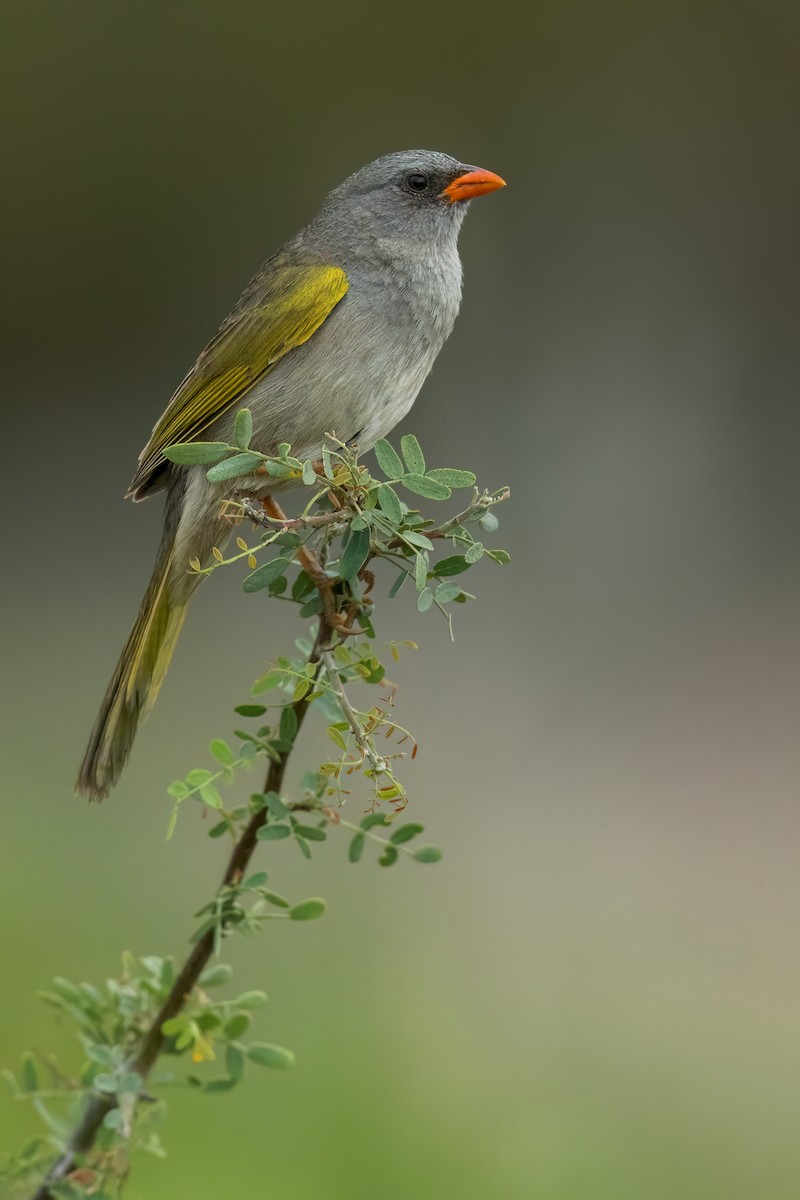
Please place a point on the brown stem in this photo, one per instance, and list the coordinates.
(316, 573)
(261, 514)
(149, 1049)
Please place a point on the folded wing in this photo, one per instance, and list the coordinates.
(293, 301)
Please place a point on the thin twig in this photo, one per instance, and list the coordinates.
(480, 504)
(256, 512)
(377, 763)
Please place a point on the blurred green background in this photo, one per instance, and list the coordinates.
(596, 993)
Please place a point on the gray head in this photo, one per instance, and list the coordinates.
(415, 194)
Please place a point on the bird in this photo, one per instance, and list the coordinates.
(336, 332)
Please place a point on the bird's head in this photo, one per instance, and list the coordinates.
(418, 194)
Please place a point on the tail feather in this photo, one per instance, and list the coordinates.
(134, 684)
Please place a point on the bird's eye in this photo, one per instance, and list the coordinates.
(417, 181)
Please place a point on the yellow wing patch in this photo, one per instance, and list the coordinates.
(292, 304)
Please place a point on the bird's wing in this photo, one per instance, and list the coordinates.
(292, 304)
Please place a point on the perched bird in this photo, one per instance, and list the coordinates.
(337, 332)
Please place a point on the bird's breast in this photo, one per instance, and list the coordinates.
(360, 372)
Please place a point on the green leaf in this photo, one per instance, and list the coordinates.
(288, 725)
(279, 470)
(371, 820)
(452, 478)
(208, 1018)
(423, 485)
(216, 975)
(267, 682)
(302, 585)
(311, 608)
(327, 465)
(29, 1075)
(418, 539)
(191, 454)
(221, 751)
(309, 474)
(446, 592)
(412, 454)
(235, 1061)
(336, 736)
(453, 565)
(102, 1055)
(398, 583)
(389, 857)
(273, 832)
(69, 991)
(499, 556)
(198, 776)
(220, 1085)
(308, 910)
(311, 833)
(250, 710)
(264, 575)
(275, 805)
(388, 460)
(243, 428)
(275, 898)
(424, 600)
(130, 1082)
(404, 833)
(174, 1025)
(303, 847)
(473, 552)
(268, 1055)
(389, 501)
(355, 554)
(256, 880)
(356, 848)
(105, 1082)
(238, 464)
(248, 1000)
(489, 522)
(238, 1024)
(210, 796)
(421, 563)
(427, 854)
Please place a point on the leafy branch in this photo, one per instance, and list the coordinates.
(322, 562)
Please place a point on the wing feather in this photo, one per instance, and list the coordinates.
(292, 304)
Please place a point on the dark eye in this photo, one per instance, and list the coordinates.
(417, 181)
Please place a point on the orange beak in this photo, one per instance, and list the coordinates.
(474, 183)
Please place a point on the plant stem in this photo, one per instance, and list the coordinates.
(146, 1054)
(377, 763)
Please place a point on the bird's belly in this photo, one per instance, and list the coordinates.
(381, 405)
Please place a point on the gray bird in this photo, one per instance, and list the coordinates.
(336, 332)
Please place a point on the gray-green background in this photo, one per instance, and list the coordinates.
(596, 994)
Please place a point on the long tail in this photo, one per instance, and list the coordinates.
(137, 677)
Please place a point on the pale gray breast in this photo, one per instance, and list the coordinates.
(361, 371)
